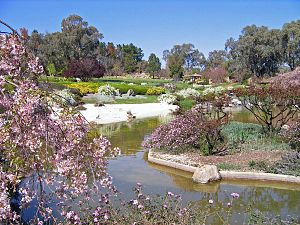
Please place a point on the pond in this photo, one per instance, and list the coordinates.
(273, 198)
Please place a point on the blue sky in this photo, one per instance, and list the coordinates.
(155, 25)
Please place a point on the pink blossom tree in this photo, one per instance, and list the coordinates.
(49, 148)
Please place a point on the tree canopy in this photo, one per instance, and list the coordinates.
(258, 51)
(154, 65)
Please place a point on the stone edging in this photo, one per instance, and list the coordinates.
(228, 174)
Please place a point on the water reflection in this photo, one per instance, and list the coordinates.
(129, 135)
(241, 114)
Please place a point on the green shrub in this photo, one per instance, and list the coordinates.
(243, 132)
(189, 93)
(186, 104)
(156, 91)
(107, 90)
(92, 87)
(138, 89)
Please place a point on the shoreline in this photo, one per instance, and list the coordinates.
(228, 175)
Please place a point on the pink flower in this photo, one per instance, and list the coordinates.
(170, 193)
(235, 195)
(210, 201)
(135, 202)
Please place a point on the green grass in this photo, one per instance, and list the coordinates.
(249, 137)
(228, 166)
(182, 85)
(186, 104)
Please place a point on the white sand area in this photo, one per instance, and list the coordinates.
(111, 113)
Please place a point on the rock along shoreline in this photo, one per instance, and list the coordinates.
(230, 175)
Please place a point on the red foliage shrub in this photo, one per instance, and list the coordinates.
(85, 69)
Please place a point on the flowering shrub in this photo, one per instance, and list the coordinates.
(167, 98)
(188, 93)
(64, 96)
(193, 130)
(185, 130)
(171, 87)
(84, 87)
(215, 91)
(6, 180)
(107, 90)
(155, 91)
(199, 128)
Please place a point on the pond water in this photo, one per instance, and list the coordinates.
(273, 198)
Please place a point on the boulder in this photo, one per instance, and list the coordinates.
(117, 92)
(130, 92)
(206, 173)
(99, 104)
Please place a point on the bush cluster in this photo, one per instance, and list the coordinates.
(138, 89)
(85, 69)
(167, 98)
(107, 90)
(188, 93)
(171, 87)
(64, 96)
(92, 87)
(214, 90)
(84, 87)
(155, 91)
(190, 131)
